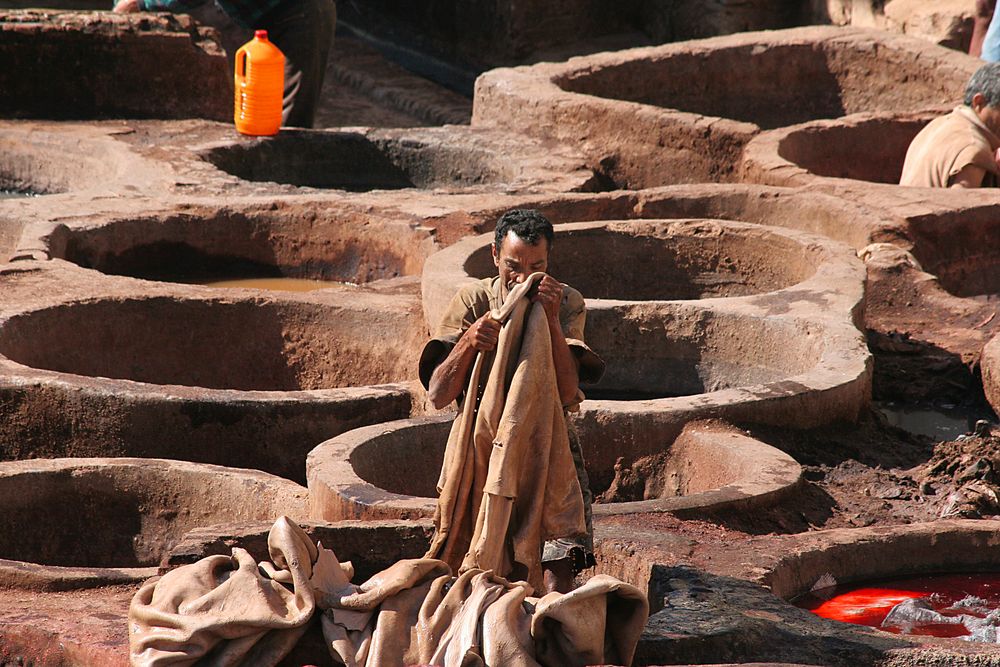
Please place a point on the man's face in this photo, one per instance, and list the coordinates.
(991, 118)
(988, 114)
(518, 259)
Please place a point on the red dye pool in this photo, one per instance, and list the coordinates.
(869, 605)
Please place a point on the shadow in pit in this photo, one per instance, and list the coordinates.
(706, 618)
(909, 370)
(180, 263)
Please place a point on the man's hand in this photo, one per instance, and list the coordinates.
(484, 333)
(127, 7)
(549, 293)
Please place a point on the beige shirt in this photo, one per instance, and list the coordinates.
(946, 146)
(476, 299)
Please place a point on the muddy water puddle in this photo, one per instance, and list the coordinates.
(13, 194)
(944, 422)
(277, 284)
(947, 605)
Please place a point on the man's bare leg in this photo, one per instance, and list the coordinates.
(558, 575)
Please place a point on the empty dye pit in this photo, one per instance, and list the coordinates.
(134, 510)
(667, 261)
(652, 260)
(645, 124)
(281, 346)
(284, 240)
(960, 248)
(452, 158)
(864, 147)
(391, 470)
(228, 377)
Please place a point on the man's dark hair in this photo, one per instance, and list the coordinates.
(986, 80)
(528, 224)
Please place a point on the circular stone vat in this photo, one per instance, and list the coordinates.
(955, 238)
(683, 112)
(243, 345)
(940, 605)
(862, 147)
(770, 271)
(817, 213)
(390, 471)
(666, 261)
(792, 355)
(122, 514)
(656, 261)
(95, 366)
(877, 553)
(289, 239)
(453, 158)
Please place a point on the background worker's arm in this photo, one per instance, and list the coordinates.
(549, 293)
(449, 378)
(971, 176)
(179, 6)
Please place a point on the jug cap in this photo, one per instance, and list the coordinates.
(260, 34)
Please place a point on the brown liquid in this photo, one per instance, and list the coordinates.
(277, 284)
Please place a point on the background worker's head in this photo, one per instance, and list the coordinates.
(521, 245)
(983, 95)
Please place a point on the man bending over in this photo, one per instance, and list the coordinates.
(959, 150)
(521, 247)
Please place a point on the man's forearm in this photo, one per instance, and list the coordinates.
(448, 379)
(566, 365)
(179, 6)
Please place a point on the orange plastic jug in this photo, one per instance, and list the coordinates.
(260, 85)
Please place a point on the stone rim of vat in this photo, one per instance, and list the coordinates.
(989, 363)
(852, 555)
(837, 274)
(531, 97)
(37, 576)
(124, 159)
(760, 475)
(743, 594)
(218, 426)
(66, 158)
(26, 302)
(766, 162)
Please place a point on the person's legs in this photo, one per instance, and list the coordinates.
(991, 42)
(303, 30)
(563, 559)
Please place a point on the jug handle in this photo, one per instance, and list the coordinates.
(241, 65)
